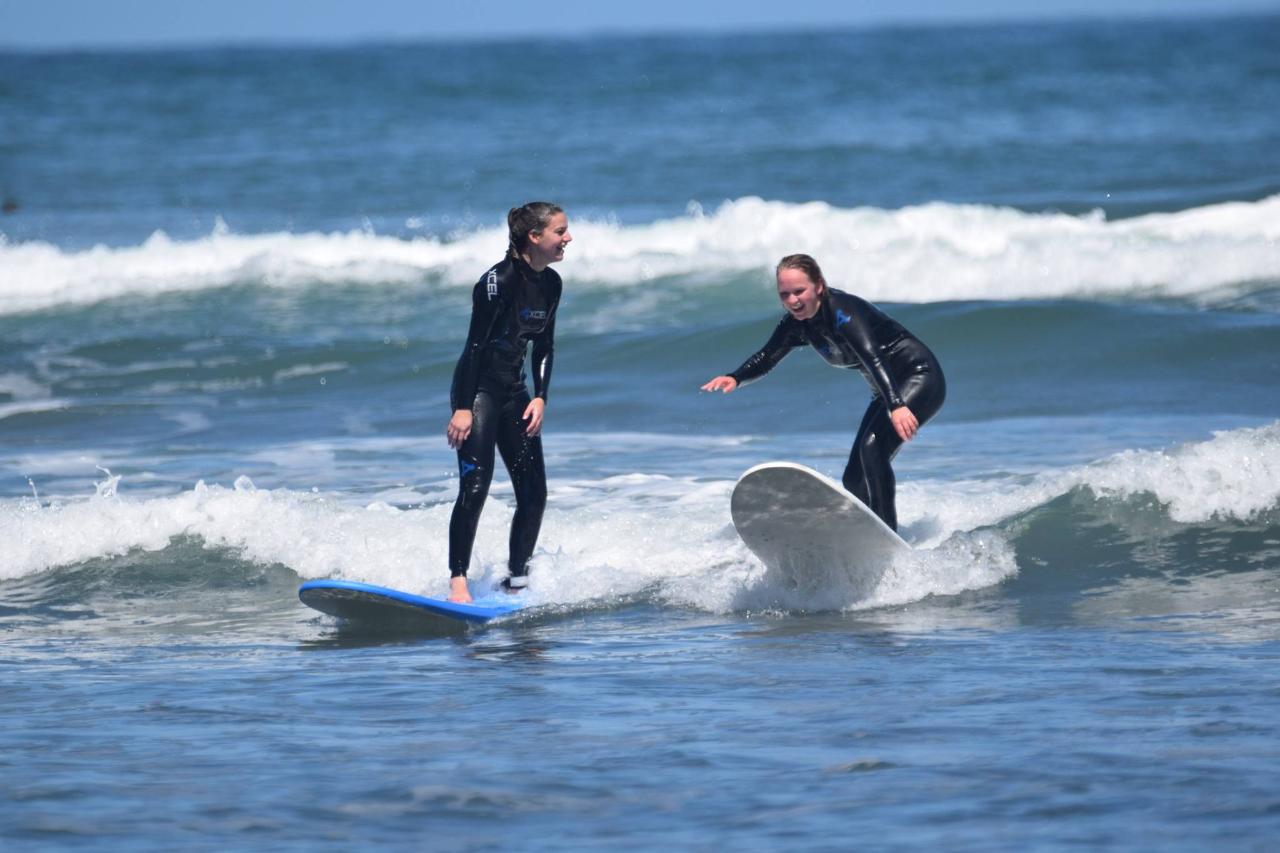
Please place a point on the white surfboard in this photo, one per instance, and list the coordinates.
(809, 531)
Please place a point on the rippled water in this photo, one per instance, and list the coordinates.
(232, 293)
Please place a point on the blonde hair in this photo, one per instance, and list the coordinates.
(807, 265)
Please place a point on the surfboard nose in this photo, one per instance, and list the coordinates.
(807, 530)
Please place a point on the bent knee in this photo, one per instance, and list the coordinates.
(855, 484)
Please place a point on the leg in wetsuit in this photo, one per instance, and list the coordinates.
(497, 421)
(869, 476)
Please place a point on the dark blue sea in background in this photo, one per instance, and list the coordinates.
(233, 285)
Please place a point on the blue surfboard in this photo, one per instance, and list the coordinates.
(383, 607)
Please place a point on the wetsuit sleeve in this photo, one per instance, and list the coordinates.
(486, 306)
(857, 330)
(783, 340)
(544, 347)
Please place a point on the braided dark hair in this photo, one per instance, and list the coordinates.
(528, 219)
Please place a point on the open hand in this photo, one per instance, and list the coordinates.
(721, 383)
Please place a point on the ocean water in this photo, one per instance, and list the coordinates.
(233, 286)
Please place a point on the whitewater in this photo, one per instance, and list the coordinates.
(926, 253)
(611, 537)
(235, 281)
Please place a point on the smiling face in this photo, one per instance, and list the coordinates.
(547, 246)
(799, 294)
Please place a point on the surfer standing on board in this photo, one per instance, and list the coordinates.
(906, 380)
(513, 304)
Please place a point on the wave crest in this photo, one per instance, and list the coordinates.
(928, 253)
(1232, 477)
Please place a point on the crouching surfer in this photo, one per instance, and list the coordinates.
(905, 378)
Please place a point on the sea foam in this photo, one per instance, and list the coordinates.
(632, 534)
(1233, 476)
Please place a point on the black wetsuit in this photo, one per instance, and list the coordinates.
(851, 332)
(511, 306)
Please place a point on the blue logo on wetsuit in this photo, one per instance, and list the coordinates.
(842, 318)
(467, 467)
(530, 314)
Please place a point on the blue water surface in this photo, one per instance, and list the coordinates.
(234, 283)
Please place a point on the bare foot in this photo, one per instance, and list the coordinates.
(458, 590)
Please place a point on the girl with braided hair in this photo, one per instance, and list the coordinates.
(513, 305)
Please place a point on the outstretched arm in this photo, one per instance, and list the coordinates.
(785, 338)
